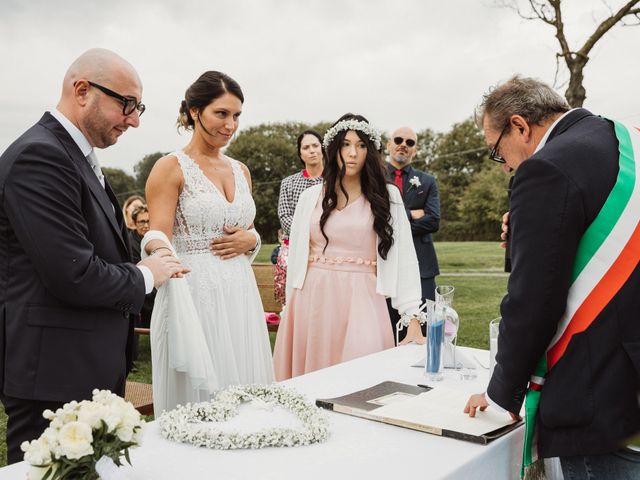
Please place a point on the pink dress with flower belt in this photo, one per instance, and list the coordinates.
(337, 315)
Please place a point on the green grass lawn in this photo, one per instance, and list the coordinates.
(477, 299)
(470, 256)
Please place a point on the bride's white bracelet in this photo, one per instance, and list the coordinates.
(258, 241)
(405, 319)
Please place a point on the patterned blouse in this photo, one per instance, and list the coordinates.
(290, 190)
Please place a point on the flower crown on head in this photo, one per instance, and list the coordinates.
(352, 124)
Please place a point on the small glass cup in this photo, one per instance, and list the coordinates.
(494, 330)
(444, 294)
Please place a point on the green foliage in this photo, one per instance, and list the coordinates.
(143, 168)
(270, 153)
(427, 142)
(483, 203)
(122, 183)
(472, 189)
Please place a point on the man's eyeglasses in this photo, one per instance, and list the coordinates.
(129, 104)
(409, 141)
(493, 153)
(142, 222)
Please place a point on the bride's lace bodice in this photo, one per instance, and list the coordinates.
(203, 211)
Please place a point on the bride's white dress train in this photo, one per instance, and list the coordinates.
(228, 342)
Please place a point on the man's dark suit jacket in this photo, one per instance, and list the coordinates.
(66, 289)
(424, 197)
(589, 402)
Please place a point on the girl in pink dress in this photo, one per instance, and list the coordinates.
(350, 247)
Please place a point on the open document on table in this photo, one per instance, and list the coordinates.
(437, 410)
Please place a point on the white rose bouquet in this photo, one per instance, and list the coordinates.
(82, 433)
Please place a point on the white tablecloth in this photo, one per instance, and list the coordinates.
(357, 448)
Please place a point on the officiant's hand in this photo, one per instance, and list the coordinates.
(414, 334)
(237, 242)
(476, 401)
(505, 230)
(479, 400)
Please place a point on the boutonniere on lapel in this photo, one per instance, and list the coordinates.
(414, 182)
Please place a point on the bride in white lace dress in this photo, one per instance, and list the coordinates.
(201, 201)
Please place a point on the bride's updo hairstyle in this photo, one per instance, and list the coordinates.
(208, 87)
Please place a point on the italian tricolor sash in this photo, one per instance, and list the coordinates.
(607, 254)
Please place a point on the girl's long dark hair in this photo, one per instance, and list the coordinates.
(373, 180)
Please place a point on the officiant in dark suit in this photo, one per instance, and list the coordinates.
(67, 285)
(570, 331)
(422, 203)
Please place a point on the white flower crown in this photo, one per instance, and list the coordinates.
(352, 124)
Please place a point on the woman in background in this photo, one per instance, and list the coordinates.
(130, 204)
(312, 156)
(350, 246)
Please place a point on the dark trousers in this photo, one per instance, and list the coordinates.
(24, 423)
(621, 465)
(428, 292)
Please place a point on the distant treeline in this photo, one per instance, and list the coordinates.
(473, 190)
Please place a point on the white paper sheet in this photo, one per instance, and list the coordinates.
(443, 408)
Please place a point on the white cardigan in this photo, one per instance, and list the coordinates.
(398, 276)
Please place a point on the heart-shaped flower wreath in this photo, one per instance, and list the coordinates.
(192, 423)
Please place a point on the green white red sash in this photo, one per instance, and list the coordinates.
(607, 254)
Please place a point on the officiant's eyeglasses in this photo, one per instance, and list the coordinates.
(409, 141)
(493, 153)
(129, 104)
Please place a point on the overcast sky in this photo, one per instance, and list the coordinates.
(422, 63)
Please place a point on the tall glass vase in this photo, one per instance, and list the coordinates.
(444, 297)
(435, 342)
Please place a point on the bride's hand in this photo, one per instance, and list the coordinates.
(237, 242)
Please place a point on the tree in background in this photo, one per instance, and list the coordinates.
(483, 203)
(269, 151)
(143, 168)
(473, 192)
(550, 12)
(455, 158)
(425, 152)
(121, 182)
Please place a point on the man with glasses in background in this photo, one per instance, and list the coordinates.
(68, 289)
(422, 203)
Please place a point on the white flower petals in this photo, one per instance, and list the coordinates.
(352, 124)
(185, 424)
(81, 428)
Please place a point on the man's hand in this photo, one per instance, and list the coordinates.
(163, 266)
(479, 400)
(476, 401)
(417, 214)
(237, 242)
(505, 230)
(414, 334)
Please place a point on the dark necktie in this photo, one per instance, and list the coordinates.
(398, 179)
